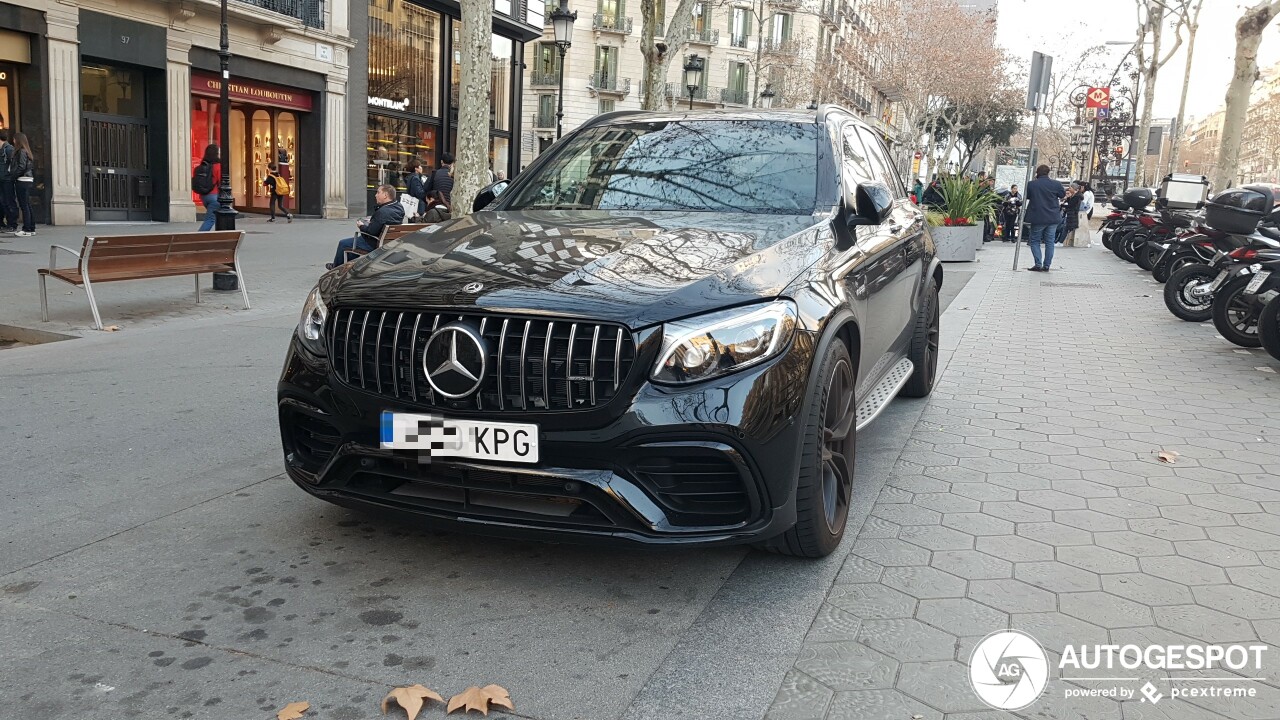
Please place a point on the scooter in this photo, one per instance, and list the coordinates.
(1254, 280)
(1189, 291)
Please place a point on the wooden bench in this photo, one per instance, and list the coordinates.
(389, 232)
(140, 257)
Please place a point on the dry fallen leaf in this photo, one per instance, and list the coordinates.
(293, 711)
(411, 699)
(1168, 456)
(474, 698)
(111, 328)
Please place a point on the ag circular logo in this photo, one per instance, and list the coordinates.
(454, 361)
(1008, 670)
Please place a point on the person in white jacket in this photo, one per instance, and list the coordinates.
(1082, 237)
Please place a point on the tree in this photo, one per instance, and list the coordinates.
(658, 55)
(470, 170)
(1151, 18)
(993, 123)
(1191, 19)
(1249, 30)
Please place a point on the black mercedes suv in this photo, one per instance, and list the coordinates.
(667, 330)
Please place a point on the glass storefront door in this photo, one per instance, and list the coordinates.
(259, 136)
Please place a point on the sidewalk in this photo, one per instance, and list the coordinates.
(1031, 497)
(280, 261)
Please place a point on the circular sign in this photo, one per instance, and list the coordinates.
(1008, 670)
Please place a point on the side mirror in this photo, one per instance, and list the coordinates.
(488, 195)
(869, 204)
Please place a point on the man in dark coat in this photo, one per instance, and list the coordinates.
(442, 179)
(1044, 212)
(388, 212)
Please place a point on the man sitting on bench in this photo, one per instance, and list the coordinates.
(369, 231)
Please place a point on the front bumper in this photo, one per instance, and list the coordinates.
(711, 464)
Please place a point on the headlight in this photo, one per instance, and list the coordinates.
(311, 326)
(720, 343)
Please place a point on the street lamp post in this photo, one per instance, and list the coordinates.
(766, 97)
(562, 26)
(225, 218)
(692, 75)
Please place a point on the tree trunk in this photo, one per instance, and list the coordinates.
(471, 169)
(658, 55)
(1186, 81)
(1248, 36)
(1148, 97)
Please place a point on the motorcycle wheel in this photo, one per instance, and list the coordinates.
(1124, 246)
(1106, 241)
(1269, 327)
(1177, 295)
(1145, 257)
(1234, 316)
(1173, 265)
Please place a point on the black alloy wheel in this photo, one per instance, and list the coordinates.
(1172, 263)
(837, 432)
(1269, 327)
(1180, 297)
(1235, 314)
(923, 352)
(1146, 255)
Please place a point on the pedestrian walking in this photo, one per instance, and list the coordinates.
(442, 179)
(1044, 196)
(24, 179)
(279, 189)
(1071, 212)
(204, 182)
(1083, 236)
(1009, 210)
(917, 191)
(416, 185)
(8, 197)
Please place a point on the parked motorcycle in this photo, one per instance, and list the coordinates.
(1137, 200)
(1255, 280)
(1269, 327)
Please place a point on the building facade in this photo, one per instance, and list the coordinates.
(413, 79)
(790, 47)
(119, 99)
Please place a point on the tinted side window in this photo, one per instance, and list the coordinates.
(880, 161)
(857, 168)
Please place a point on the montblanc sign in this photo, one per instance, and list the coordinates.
(401, 105)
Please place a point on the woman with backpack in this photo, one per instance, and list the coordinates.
(24, 177)
(204, 182)
(278, 186)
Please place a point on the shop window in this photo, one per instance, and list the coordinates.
(500, 83)
(499, 156)
(404, 47)
(111, 90)
(392, 143)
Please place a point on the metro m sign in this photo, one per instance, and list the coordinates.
(1098, 97)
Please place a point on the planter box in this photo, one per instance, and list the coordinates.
(957, 244)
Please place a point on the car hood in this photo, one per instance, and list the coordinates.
(625, 267)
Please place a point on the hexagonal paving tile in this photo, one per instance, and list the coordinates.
(800, 698)
(1017, 512)
(1167, 529)
(971, 564)
(1054, 533)
(1012, 596)
(906, 514)
(1090, 520)
(860, 704)
(936, 537)
(1194, 515)
(1216, 553)
(943, 684)
(1056, 576)
(1097, 559)
(961, 616)
(947, 502)
(1018, 481)
(1052, 500)
(1147, 589)
(1123, 507)
(1256, 577)
(1014, 548)
(1055, 630)
(889, 552)
(983, 491)
(847, 665)
(924, 582)
(1082, 488)
(1238, 601)
(1204, 623)
(871, 601)
(1104, 609)
(918, 483)
(1182, 570)
(1132, 543)
(907, 640)
(858, 569)
(833, 625)
(977, 524)
(1243, 537)
(1153, 496)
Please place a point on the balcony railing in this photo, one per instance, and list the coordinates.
(610, 83)
(830, 16)
(738, 41)
(704, 37)
(731, 96)
(784, 46)
(544, 121)
(677, 92)
(611, 23)
(309, 12)
(544, 78)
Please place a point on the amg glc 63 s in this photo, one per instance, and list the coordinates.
(668, 330)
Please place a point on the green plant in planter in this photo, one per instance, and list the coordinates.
(964, 202)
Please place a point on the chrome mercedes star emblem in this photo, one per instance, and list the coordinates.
(454, 361)
(473, 287)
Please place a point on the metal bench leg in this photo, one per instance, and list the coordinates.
(44, 301)
(93, 305)
(197, 288)
(244, 290)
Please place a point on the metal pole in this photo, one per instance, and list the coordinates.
(559, 96)
(1093, 147)
(225, 218)
(691, 89)
(1017, 246)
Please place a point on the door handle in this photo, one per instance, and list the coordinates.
(895, 228)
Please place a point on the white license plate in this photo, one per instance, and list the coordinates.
(1256, 282)
(1217, 282)
(473, 439)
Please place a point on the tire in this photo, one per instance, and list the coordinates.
(1269, 327)
(824, 485)
(1171, 264)
(1234, 315)
(1180, 303)
(1146, 255)
(1124, 246)
(923, 352)
(1117, 239)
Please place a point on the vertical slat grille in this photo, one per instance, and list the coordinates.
(560, 365)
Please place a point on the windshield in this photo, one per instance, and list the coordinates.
(749, 166)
